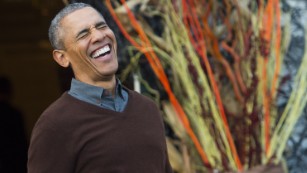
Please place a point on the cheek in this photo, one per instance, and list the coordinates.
(81, 49)
(78, 57)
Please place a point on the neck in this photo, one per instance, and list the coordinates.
(108, 86)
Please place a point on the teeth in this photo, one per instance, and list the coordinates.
(101, 51)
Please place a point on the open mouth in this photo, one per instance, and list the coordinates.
(101, 52)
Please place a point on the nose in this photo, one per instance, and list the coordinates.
(96, 34)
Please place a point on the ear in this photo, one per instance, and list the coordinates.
(60, 58)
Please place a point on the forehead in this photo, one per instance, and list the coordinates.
(81, 19)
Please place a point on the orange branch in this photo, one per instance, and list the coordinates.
(266, 36)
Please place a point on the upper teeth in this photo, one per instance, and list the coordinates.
(101, 51)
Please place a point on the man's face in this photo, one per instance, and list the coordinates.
(90, 45)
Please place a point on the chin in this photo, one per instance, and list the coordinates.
(110, 72)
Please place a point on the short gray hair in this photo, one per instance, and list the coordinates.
(55, 25)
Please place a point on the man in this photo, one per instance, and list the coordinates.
(98, 125)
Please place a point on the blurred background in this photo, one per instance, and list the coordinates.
(25, 55)
(29, 79)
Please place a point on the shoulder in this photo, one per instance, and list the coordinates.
(138, 96)
(142, 102)
(52, 137)
(57, 106)
(50, 124)
(55, 114)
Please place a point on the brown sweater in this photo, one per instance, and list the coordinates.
(73, 136)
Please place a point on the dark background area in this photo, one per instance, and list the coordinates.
(25, 55)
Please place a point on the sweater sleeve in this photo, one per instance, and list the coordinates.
(50, 150)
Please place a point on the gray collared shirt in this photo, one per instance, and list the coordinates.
(99, 96)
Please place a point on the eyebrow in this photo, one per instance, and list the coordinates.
(86, 30)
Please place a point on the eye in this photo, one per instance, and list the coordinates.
(101, 26)
(82, 35)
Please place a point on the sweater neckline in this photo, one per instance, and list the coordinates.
(92, 107)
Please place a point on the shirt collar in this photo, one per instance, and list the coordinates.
(93, 92)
